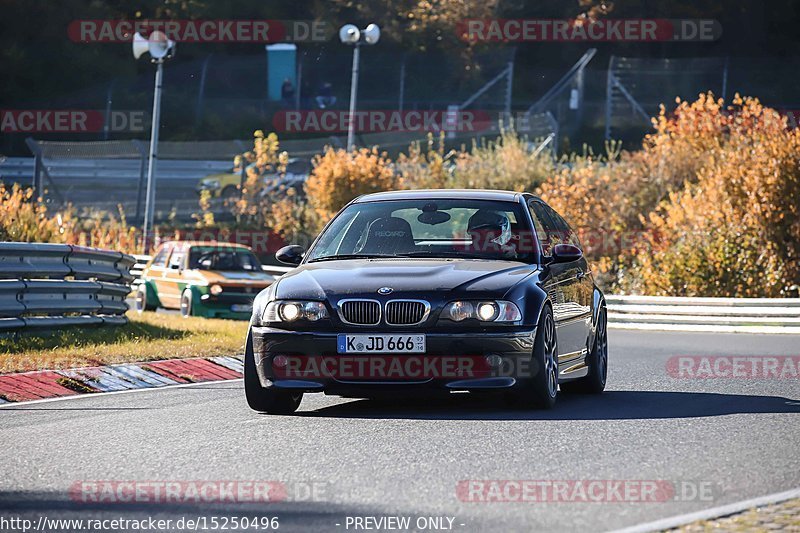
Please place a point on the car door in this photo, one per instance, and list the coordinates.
(563, 285)
(172, 281)
(155, 273)
(581, 293)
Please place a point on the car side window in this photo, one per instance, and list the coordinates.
(160, 260)
(546, 227)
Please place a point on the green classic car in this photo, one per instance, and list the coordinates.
(209, 279)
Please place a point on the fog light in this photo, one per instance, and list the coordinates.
(494, 360)
(487, 311)
(280, 361)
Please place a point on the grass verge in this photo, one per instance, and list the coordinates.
(146, 337)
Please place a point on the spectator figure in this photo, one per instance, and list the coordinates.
(287, 92)
(325, 96)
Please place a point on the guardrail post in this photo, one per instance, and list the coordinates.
(36, 182)
(142, 176)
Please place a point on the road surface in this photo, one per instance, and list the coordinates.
(715, 441)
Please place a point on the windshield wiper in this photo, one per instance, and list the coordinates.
(457, 255)
(350, 256)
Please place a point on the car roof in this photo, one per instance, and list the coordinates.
(190, 244)
(456, 194)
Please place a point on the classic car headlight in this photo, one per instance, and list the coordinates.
(486, 311)
(286, 311)
(215, 289)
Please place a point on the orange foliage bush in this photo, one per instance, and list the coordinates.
(735, 231)
(708, 206)
(339, 176)
(22, 219)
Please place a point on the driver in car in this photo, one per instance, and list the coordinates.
(490, 232)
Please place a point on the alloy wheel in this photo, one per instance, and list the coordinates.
(550, 355)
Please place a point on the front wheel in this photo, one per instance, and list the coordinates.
(540, 390)
(186, 303)
(229, 194)
(271, 400)
(595, 381)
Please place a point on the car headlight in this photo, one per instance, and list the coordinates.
(215, 290)
(210, 184)
(485, 311)
(286, 311)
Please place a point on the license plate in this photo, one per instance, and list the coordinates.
(378, 343)
(241, 308)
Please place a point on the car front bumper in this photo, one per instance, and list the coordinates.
(513, 348)
(233, 305)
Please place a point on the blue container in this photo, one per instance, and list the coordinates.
(281, 61)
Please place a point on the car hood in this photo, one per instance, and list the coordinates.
(220, 177)
(407, 277)
(260, 279)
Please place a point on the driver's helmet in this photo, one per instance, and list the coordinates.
(495, 225)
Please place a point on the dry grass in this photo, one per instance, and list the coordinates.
(147, 337)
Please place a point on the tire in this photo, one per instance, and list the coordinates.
(540, 390)
(272, 400)
(595, 381)
(142, 304)
(230, 192)
(186, 303)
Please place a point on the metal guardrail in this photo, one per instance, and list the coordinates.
(138, 268)
(756, 315)
(59, 285)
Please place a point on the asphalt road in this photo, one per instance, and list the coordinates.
(729, 439)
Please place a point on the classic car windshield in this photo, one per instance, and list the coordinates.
(226, 259)
(460, 228)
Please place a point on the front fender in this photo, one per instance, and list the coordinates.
(530, 298)
(198, 307)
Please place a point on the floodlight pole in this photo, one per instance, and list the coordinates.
(351, 126)
(150, 207)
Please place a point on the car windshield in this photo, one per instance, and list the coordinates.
(227, 259)
(440, 228)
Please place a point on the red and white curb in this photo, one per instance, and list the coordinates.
(45, 384)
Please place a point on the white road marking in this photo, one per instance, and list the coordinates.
(714, 512)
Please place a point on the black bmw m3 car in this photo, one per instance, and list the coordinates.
(431, 290)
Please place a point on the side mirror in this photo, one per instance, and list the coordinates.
(566, 253)
(290, 255)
